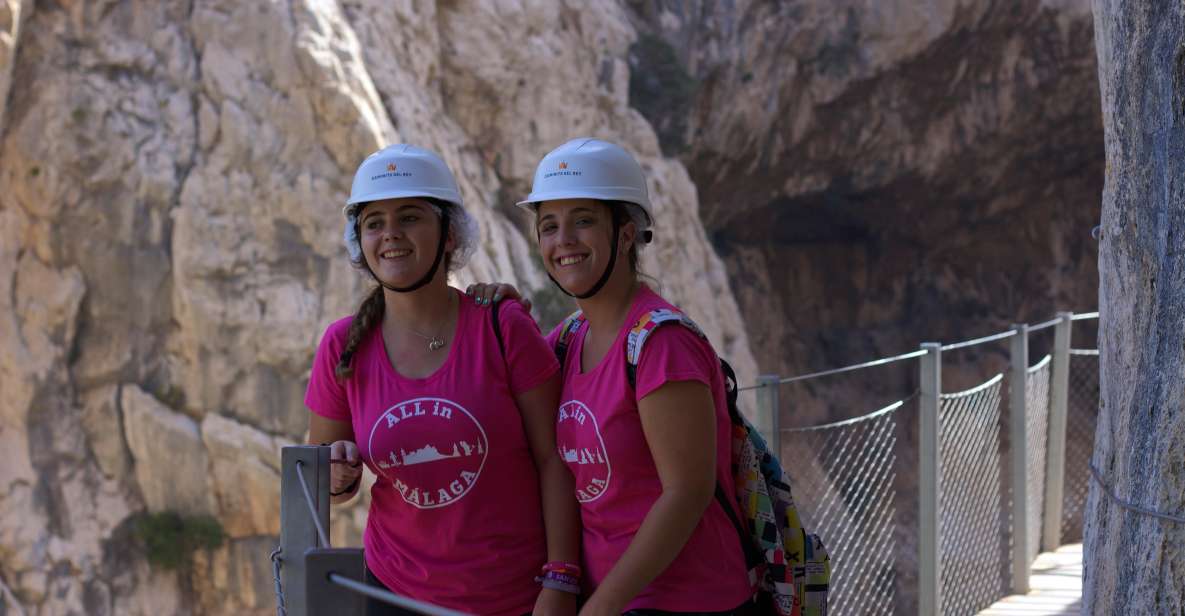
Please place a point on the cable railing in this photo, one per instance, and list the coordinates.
(1001, 469)
(956, 540)
(312, 578)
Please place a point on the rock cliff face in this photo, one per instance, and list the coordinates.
(171, 175)
(878, 174)
(1134, 562)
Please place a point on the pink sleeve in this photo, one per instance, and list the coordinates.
(325, 395)
(674, 353)
(530, 358)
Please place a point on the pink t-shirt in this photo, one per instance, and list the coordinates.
(599, 435)
(455, 517)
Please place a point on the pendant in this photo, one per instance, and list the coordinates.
(435, 344)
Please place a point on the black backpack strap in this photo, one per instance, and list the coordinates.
(730, 392)
(498, 328)
(753, 556)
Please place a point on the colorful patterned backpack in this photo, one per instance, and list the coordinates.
(789, 567)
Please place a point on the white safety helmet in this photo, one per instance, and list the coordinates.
(588, 168)
(404, 170)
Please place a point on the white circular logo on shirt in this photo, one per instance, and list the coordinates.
(583, 449)
(432, 450)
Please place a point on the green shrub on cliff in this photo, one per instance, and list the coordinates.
(169, 539)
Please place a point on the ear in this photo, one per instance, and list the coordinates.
(450, 239)
(628, 235)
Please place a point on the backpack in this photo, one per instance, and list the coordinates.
(789, 567)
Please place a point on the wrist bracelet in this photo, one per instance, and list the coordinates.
(562, 567)
(560, 586)
(350, 488)
(562, 578)
(560, 581)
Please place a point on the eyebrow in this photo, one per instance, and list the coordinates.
(412, 206)
(579, 210)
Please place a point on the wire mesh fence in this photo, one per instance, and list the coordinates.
(1082, 409)
(1036, 435)
(844, 486)
(840, 469)
(973, 547)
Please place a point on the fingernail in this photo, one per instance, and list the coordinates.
(497, 297)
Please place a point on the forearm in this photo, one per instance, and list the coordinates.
(561, 512)
(663, 533)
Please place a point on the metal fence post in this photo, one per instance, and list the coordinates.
(298, 532)
(767, 410)
(1055, 457)
(929, 470)
(326, 598)
(1020, 500)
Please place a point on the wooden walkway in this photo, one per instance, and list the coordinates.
(1056, 585)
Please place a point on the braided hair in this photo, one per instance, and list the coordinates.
(370, 313)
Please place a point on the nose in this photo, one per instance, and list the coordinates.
(391, 232)
(567, 234)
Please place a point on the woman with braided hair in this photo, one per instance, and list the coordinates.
(450, 404)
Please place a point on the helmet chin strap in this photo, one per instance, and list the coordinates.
(604, 276)
(444, 221)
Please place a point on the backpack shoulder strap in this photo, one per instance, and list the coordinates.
(564, 340)
(497, 328)
(642, 330)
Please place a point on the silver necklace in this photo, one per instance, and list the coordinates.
(435, 343)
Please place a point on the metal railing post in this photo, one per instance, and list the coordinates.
(767, 410)
(1055, 457)
(1020, 495)
(326, 598)
(929, 470)
(298, 531)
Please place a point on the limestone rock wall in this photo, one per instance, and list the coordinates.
(171, 175)
(878, 174)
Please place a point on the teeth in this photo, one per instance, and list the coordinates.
(571, 260)
(391, 254)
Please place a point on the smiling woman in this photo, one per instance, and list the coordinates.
(400, 236)
(649, 441)
(452, 407)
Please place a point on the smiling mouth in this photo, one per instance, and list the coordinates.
(571, 260)
(393, 254)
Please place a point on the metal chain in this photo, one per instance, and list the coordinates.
(280, 609)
